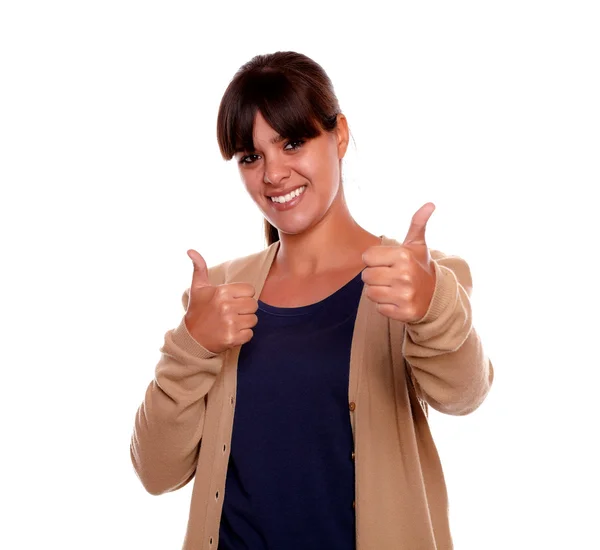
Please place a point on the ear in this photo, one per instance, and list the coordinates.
(342, 133)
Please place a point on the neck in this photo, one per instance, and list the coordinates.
(335, 243)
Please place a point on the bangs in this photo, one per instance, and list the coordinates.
(285, 105)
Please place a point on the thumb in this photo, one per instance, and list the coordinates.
(416, 231)
(200, 275)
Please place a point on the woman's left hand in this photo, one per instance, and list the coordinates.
(401, 279)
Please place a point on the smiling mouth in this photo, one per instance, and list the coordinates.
(289, 197)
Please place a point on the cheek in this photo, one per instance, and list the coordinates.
(322, 171)
(251, 181)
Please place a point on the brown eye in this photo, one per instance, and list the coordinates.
(248, 159)
(296, 144)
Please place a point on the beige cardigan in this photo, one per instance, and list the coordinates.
(183, 427)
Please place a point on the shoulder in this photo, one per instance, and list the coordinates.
(245, 267)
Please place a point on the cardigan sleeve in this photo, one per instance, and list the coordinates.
(169, 422)
(444, 353)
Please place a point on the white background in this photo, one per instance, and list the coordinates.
(110, 171)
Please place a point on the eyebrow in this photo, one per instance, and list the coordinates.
(274, 140)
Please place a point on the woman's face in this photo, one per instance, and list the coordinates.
(280, 166)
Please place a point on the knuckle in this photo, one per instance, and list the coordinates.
(226, 339)
(229, 338)
(404, 254)
(222, 291)
(404, 276)
(229, 324)
(409, 294)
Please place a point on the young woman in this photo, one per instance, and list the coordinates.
(295, 390)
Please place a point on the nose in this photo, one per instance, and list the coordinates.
(275, 171)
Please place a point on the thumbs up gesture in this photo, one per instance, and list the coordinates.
(219, 317)
(401, 279)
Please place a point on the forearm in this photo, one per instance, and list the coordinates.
(443, 350)
(169, 422)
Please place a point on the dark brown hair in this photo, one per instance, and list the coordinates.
(293, 94)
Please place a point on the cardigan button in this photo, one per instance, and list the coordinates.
(352, 405)
(353, 455)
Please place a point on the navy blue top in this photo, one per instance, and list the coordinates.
(290, 479)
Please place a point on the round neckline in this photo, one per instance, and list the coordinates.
(308, 308)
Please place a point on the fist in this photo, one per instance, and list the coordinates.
(219, 317)
(401, 279)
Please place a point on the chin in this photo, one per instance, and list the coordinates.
(294, 229)
(290, 230)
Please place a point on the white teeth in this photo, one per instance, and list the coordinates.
(289, 196)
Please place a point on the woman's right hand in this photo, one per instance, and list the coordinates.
(219, 317)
